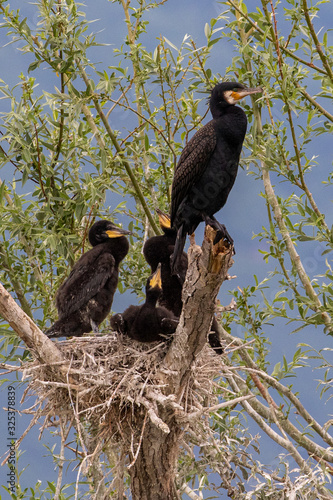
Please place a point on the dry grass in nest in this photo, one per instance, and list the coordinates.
(113, 384)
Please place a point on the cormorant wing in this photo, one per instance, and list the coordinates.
(192, 164)
(87, 278)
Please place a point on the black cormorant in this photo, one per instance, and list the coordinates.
(207, 167)
(149, 322)
(158, 249)
(85, 298)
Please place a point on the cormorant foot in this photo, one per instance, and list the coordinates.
(221, 231)
(222, 234)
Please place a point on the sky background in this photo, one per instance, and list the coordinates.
(244, 214)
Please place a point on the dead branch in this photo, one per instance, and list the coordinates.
(39, 344)
(208, 268)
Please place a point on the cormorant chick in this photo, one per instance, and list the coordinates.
(85, 298)
(147, 323)
(158, 249)
(207, 167)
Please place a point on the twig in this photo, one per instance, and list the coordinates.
(146, 120)
(61, 461)
(313, 33)
(192, 495)
(128, 169)
(226, 404)
(135, 455)
(295, 258)
(284, 49)
(316, 104)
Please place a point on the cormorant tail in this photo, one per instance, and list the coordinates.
(175, 259)
(65, 327)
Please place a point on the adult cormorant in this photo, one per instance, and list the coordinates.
(149, 322)
(158, 249)
(207, 167)
(85, 298)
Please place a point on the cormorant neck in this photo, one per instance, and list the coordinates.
(232, 125)
(152, 296)
(226, 109)
(217, 112)
(118, 247)
(170, 233)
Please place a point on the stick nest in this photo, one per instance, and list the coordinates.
(115, 383)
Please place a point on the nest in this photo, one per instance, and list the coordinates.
(114, 384)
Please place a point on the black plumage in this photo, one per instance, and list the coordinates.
(207, 168)
(158, 250)
(149, 322)
(85, 298)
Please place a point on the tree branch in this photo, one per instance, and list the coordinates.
(294, 257)
(14, 281)
(207, 269)
(290, 53)
(39, 344)
(127, 166)
(316, 104)
(320, 52)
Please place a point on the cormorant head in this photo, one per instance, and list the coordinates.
(155, 280)
(164, 220)
(165, 224)
(102, 230)
(227, 94)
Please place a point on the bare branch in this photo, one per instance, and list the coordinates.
(208, 268)
(40, 345)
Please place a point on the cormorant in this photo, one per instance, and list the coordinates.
(207, 167)
(158, 249)
(85, 298)
(149, 322)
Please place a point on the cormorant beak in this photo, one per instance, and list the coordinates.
(164, 219)
(116, 232)
(240, 93)
(156, 278)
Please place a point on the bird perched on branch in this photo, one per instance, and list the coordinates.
(85, 298)
(207, 167)
(158, 250)
(149, 322)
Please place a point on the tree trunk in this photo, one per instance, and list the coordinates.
(154, 415)
(153, 472)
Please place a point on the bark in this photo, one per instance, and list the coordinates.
(208, 268)
(154, 470)
(39, 344)
(154, 451)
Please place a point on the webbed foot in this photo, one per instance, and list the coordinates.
(221, 231)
